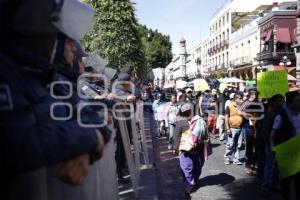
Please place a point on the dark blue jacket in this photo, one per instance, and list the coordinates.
(29, 137)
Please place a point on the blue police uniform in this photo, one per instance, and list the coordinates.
(30, 137)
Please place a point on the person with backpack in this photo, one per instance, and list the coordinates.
(191, 132)
(233, 123)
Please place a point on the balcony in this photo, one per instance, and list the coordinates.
(242, 61)
(269, 55)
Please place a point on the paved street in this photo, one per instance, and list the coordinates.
(217, 182)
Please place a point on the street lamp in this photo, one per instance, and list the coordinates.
(285, 62)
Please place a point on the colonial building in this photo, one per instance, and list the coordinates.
(227, 20)
(297, 46)
(277, 36)
(183, 65)
(244, 46)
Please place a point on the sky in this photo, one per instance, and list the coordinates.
(178, 18)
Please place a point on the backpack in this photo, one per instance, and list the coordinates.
(235, 120)
(189, 138)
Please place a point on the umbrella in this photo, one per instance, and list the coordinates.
(231, 80)
(200, 85)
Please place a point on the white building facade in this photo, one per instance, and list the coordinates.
(224, 23)
(244, 45)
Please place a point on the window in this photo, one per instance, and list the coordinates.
(224, 20)
(227, 16)
(227, 37)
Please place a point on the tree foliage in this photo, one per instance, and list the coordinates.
(157, 48)
(116, 35)
(119, 38)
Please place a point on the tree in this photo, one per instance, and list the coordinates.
(157, 48)
(116, 35)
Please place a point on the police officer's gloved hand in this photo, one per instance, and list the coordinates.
(74, 171)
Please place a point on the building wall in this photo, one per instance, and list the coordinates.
(245, 43)
(220, 30)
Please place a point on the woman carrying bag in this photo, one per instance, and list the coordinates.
(193, 144)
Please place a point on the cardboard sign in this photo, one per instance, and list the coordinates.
(200, 85)
(288, 157)
(271, 83)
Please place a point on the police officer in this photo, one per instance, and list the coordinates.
(30, 137)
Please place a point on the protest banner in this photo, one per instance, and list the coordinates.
(271, 83)
(200, 85)
(288, 157)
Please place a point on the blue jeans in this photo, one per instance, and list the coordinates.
(271, 173)
(191, 167)
(233, 142)
(248, 134)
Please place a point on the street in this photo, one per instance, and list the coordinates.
(217, 182)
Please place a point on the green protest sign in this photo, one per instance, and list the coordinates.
(271, 83)
(288, 157)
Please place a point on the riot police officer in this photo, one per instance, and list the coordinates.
(30, 136)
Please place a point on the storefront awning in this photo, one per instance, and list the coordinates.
(283, 35)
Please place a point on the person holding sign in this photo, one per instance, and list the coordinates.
(287, 126)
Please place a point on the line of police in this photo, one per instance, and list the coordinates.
(48, 103)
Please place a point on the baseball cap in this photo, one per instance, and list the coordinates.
(185, 107)
(188, 90)
(231, 96)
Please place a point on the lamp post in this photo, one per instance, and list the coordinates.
(285, 62)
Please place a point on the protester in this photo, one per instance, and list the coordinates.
(247, 129)
(286, 126)
(171, 116)
(181, 96)
(270, 179)
(220, 125)
(191, 157)
(233, 122)
(204, 102)
(211, 111)
(155, 106)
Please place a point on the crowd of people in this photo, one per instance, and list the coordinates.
(241, 120)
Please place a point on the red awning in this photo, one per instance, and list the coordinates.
(298, 13)
(283, 35)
